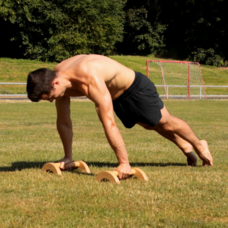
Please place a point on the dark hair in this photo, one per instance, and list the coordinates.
(39, 82)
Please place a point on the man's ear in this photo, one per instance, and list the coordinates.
(55, 82)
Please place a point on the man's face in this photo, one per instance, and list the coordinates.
(57, 91)
(49, 97)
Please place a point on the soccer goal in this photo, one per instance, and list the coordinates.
(177, 79)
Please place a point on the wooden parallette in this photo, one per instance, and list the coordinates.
(54, 167)
(112, 176)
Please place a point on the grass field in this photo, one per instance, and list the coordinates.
(175, 195)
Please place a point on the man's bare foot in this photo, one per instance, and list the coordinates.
(191, 158)
(206, 155)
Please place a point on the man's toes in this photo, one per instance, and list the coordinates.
(191, 162)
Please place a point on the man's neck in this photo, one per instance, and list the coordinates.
(64, 80)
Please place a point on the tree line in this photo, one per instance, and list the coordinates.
(51, 30)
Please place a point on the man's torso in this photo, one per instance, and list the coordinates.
(83, 69)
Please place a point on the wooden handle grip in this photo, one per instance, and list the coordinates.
(112, 175)
(55, 167)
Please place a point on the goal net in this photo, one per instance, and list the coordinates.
(177, 79)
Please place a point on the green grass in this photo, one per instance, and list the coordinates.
(16, 70)
(175, 195)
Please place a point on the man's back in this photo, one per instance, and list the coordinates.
(82, 69)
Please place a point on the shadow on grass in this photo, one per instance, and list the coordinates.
(134, 164)
(18, 166)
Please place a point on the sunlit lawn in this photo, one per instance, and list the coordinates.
(175, 195)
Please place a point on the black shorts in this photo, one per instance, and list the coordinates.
(139, 103)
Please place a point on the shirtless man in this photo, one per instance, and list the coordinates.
(111, 86)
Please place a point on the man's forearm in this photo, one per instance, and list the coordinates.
(116, 142)
(66, 135)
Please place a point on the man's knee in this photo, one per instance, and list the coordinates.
(164, 127)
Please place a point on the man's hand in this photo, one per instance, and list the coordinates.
(66, 163)
(124, 171)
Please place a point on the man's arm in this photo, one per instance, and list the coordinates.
(64, 127)
(99, 94)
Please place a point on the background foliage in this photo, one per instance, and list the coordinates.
(143, 33)
(54, 30)
(197, 30)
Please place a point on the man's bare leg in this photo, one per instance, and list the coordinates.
(185, 146)
(181, 134)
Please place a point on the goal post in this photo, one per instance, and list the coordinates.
(181, 79)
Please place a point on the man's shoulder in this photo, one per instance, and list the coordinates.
(65, 64)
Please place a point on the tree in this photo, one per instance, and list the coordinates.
(197, 30)
(54, 30)
(206, 40)
(143, 34)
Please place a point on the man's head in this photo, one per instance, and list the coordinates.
(39, 82)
